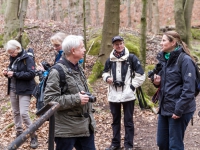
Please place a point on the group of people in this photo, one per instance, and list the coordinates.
(74, 121)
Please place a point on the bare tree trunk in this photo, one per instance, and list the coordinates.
(37, 8)
(180, 19)
(48, 9)
(87, 12)
(12, 22)
(53, 15)
(97, 12)
(187, 14)
(150, 16)
(143, 33)
(110, 28)
(129, 13)
(84, 30)
(61, 10)
(155, 12)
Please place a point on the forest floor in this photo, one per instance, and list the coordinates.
(145, 121)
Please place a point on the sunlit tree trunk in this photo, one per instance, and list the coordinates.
(97, 12)
(110, 28)
(129, 13)
(150, 16)
(155, 14)
(183, 12)
(188, 15)
(14, 19)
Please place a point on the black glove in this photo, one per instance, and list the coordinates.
(132, 87)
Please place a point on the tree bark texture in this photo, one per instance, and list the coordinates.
(129, 13)
(180, 19)
(155, 14)
(14, 19)
(53, 13)
(188, 14)
(110, 28)
(87, 12)
(143, 32)
(97, 12)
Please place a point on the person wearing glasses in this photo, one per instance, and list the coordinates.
(74, 121)
(20, 74)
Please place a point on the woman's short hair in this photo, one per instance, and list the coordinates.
(12, 45)
(58, 38)
(71, 41)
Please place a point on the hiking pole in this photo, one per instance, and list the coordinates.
(139, 99)
(143, 99)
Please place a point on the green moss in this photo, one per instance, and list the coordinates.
(25, 39)
(148, 87)
(131, 42)
(1, 41)
(132, 48)
(2, 8)
(196, 33)
(96, 72)
(94, 44)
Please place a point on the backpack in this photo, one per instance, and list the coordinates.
(38, 92)
(197, 84)
(139, 92)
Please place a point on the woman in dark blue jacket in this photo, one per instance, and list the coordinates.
(177, 92)
(20, 73)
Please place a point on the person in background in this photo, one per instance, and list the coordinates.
(56, 41)
(20, 74)
(177, 92)
(121, 91)
(74, 121)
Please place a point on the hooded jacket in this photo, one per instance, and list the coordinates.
(24, 72)
(125, 93)
(177, 88)
(72, 119)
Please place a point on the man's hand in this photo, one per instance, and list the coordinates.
(157, 79)
(84, 98)
(109, 80)
(175, 116)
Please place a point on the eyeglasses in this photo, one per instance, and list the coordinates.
(56, 45)
(11, 53)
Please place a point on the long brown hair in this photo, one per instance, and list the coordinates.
(173, 35)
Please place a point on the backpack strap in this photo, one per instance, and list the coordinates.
(180, 59)
(63, 83)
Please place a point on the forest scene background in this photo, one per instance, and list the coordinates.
(46, 17)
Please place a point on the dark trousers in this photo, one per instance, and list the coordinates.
(128, 108)
(80, 143)
(170, 132)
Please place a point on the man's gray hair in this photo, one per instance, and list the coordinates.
(70, 42)
(12, 45)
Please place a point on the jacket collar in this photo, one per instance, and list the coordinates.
(123, 58)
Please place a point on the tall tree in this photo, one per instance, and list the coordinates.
(87, 12)
(182, 15)
(129, 13)
(53, 13)
(97, 12)
(38, 3)
(61, 10)
(110, 28)
(14, 19)
(153, 16)
(143, 32)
